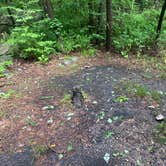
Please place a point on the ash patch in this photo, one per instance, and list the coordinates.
(24, 158)
(122, 129)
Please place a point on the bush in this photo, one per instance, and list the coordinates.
(75, 42)
(134, 31)
(27, 44)
(3, 66)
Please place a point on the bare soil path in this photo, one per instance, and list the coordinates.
(116, 124)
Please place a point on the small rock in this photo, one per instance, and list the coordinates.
(50, 121)
(70, 61)
(87, 66)
(95, 102)
(160, 117)
(151, 107)
(49, 107)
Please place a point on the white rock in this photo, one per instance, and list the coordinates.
(160, 117)
(95, 102)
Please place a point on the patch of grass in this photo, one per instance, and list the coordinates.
(134, 89)
(3, 66)
(160, 133)
(7, 95)
(85, 95)
(121, 99)
(40, 150)
(156, 95)
(140, 91)
(101, 115)
(89, 52)
(152, 63)
(66, 99)
(108, 134)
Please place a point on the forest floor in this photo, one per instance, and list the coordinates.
(115, 126)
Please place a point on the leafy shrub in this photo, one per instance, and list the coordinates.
(3, 66)
(134, 30)
(52, 29)
(75, 42)
(27, 44)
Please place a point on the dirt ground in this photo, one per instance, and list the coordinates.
(115, 125)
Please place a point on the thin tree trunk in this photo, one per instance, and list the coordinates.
(10, 13)
(108, 25)
(91, 16)
(100, 18)
(47, 7)
(161, 20)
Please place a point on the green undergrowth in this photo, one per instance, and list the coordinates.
(7, 95)
(40, 150)
(134, 89)
(160, 132)
(35, 36)
(4, 66)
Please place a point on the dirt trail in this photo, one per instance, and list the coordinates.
(114, 120)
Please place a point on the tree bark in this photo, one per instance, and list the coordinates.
(91, 16)
(100, 18)
(161, 20)
(10, 13)
(47, 7)
(108, 25)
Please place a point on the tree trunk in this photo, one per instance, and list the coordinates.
(100, 18)
(10, 13)
(91, 16)
(47, 7)
(108, 25)
(161, 20)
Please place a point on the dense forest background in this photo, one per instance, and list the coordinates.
(37, 29)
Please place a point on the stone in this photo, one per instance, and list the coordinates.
(160, 117)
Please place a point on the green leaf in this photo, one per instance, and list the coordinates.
(110, 120)
(106, 157)
(69, 148)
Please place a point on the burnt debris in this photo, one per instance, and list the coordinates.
(77, 98)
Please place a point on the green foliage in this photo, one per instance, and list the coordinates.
(7, 95)
(66, 99)
(68, 44)
(27, 44)
(3, 66)
(40, 150)
(134, 30)
(69, 147)
(89, 52)
(121, 99)
(51, 29)
(137, 90)
(101, 115)
(35, 36)
(108, 134)
(161, 132)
